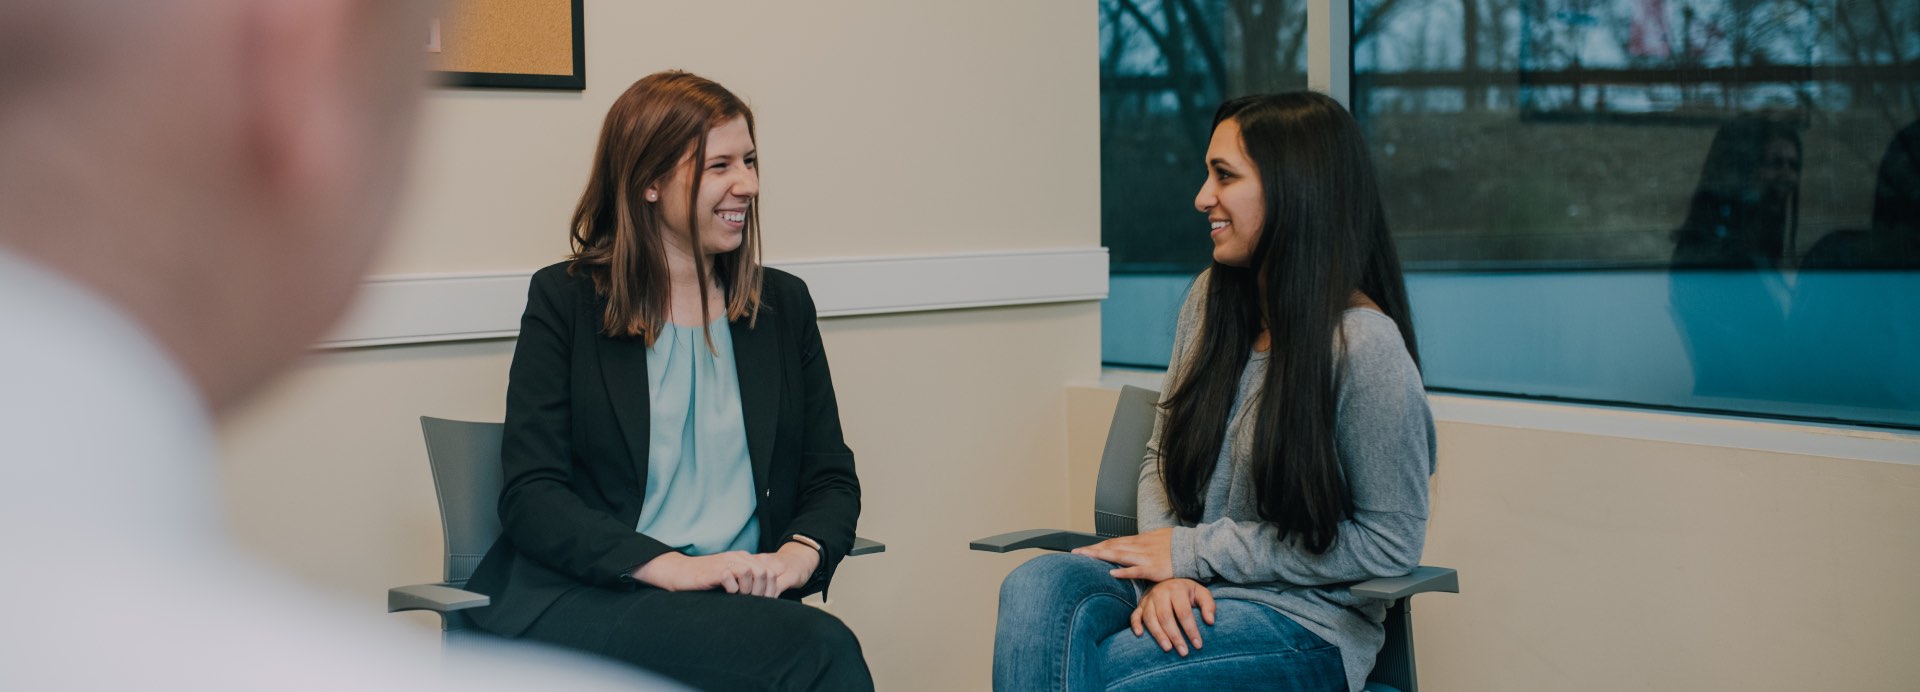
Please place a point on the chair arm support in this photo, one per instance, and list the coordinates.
(1044, 539)
(438, 598)
(1422, 579)
(863, 546)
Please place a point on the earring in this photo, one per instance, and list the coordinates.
(653, 196)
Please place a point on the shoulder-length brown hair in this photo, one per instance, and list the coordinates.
(652, 128)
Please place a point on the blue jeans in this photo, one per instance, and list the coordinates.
(1064, 625)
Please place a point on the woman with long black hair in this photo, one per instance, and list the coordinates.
(1290, 456)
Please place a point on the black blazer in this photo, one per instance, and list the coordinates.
(575, 447)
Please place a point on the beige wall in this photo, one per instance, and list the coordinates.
(1594, 562)
(1602, 563)
(886, 128)
(327, 474)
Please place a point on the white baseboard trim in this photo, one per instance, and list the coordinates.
(429, 308)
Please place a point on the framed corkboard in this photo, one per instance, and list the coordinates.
(514, 44)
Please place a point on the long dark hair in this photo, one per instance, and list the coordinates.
(1324, 237)
(1737, 216)
(1896, 192)
(617, 237)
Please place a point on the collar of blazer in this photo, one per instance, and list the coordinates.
(757, 362)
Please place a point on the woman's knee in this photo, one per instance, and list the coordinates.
(817, 634)
(1057, 575)
(820, 626)
(827, 654)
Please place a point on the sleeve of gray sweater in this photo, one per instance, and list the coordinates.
(1151, 506)
(1384, 437)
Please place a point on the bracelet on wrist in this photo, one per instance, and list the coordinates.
(815, 545)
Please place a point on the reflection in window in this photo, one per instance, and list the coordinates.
(1696, 204)
(1164, 66)
(1702, 204)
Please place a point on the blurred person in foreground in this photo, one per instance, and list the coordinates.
(189, 192)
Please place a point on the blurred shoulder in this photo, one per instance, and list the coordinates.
(784, 292)
(1198, 289)
(1366, 329)
(779, 281)
(1196, 301)
(558, 278)
(1371, 342)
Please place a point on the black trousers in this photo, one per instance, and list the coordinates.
(710, 640)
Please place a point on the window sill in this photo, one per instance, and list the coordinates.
(1735, 432)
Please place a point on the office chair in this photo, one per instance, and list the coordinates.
(465, 458)
(1114, 513)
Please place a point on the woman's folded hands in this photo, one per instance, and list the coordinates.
(741, 572)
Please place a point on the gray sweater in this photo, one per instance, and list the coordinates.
(1384, 439)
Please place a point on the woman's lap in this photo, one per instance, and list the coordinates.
(1249, 647)
(1061, 601)
(709, 639)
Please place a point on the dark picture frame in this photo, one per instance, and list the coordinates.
(575, 81)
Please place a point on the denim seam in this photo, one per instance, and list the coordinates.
(1066, 662)
(1185, 662)
(1297, 623)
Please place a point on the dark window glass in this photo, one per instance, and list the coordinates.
(1706, 204)
(1702, 205)
(1164, 66)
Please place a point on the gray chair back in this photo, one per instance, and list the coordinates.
(1116, 493)
(466, 477)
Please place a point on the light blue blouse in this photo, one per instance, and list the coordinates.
(699, 479)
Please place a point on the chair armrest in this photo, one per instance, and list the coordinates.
(862, 546)
(1422, 579)
(1044, 539)
(438, 598)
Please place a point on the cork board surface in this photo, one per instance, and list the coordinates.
(506, 36)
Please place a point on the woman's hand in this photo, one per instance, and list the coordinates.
(1167, 612)
(1146, 556)
(790, 566)
(733, 572)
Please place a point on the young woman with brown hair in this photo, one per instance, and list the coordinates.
(675, 474)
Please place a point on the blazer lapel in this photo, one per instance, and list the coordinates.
(756, 362)
(623, 369)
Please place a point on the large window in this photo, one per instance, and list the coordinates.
(1704, 205)
(1164, 66)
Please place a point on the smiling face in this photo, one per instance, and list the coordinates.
(729, 183)
(1233, 198)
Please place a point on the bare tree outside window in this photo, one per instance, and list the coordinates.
(1164, 66)
(1702, 205)
(1558, 133)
